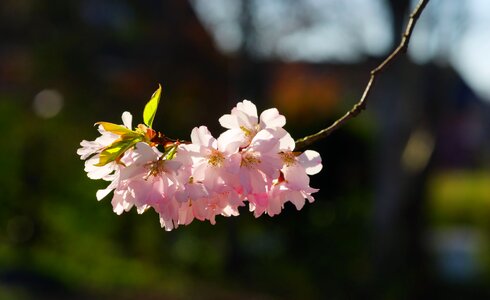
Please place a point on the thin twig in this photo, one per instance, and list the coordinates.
(302, 143)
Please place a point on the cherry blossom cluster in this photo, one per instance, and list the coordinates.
(253, 162)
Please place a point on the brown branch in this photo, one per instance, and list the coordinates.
(302, 143)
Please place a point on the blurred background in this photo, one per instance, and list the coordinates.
(403, 210)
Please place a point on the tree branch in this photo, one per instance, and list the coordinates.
(303, 143)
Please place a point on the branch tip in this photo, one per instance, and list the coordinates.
(303, 143)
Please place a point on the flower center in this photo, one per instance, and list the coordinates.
(155, 168)
(250, 132)
(216, 158)
(249, 160)
(288, 158)
(246, 131)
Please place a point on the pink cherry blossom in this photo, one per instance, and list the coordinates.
(225, 204)
(106, 138)
(214, 164)
(213, 161)
(243, 123)
(296, 185)
(292, 185)
(253, 161)
(260, 163)
(152, 182)
(90, 151)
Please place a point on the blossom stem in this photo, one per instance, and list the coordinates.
(303, 143)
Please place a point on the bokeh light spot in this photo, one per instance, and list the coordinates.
(48, 103)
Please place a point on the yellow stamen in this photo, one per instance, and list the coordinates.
(246, 131)
(288, 158)
(155, 168)
(249, 160)
(216, 158)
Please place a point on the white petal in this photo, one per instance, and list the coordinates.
(245, 120)
(142, 209)
(229, 121)
(127, 119)
(119, 205)
(101, 194)
(229, 211)
(202, 136)
(106, 138)
(265, 142)
(95, 172)
(248, 108)
(189, 149)
(88, 148)
(200, 171)
(144, 153)
(286, 142)
(265, 134)
(271, 118)
(230, 140)
(311, 161)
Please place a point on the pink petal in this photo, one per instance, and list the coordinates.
(311, 161)
(181, 195)
(197, 191)
(286, 141)
(257, 181)
(265, 142)
(231, 140)
(200, 171)
(270, 165)
(119, 204)
(245, 181)
(297, 199)
(296, 177)
(258, 203)
(172, 165)
(309, 197)
(271, 118)
(144, 153)
(232, 164)
(190, 154)
(202, 136)
(186, 214)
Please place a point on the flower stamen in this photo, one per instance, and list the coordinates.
(249, 160)
(288, 158)
(216, 158)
